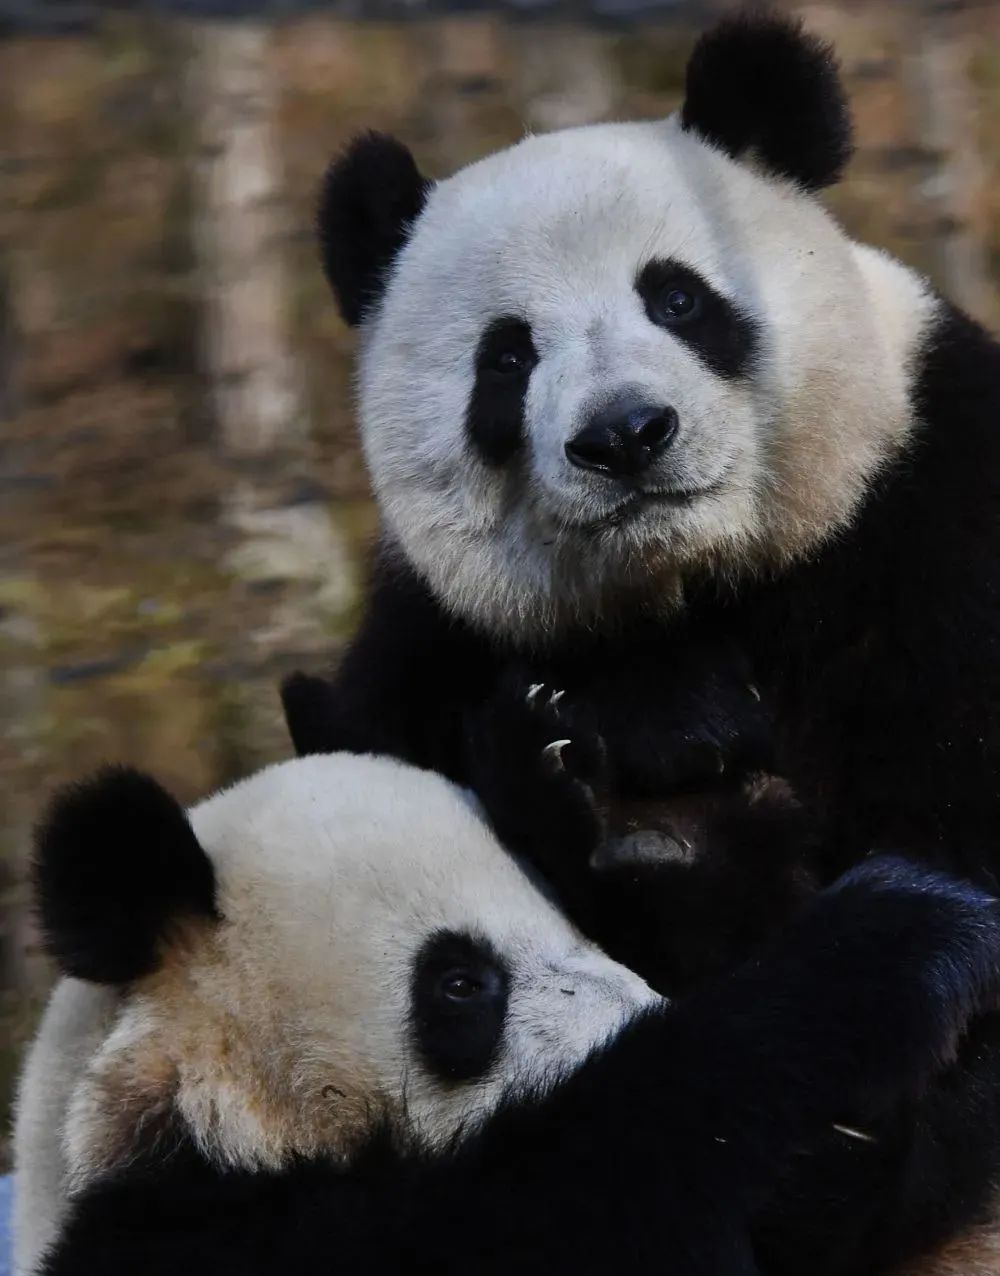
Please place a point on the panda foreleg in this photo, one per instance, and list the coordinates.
(923, 1176)
(864, 1004)
(680, 920)
(539, 769)
(679, 713)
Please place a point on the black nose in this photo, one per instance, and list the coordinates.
(623, 438)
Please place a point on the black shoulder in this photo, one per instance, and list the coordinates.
(958, 367)
(402, 682)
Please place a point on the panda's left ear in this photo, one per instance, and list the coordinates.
(371, 196)
(760, 86)
(116, 865)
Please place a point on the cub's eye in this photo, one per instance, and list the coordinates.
(459, 1001)
(678, 303)
(459, 985)
(482, 982)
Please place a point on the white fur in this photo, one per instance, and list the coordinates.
(555, 230)
(284, 1028)
(75, 1020)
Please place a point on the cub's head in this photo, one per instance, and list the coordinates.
(610, 357)
(335, 945)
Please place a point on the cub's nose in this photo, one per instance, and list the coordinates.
(624, 438)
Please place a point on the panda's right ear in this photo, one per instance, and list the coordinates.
(116, 864)
(371, 196)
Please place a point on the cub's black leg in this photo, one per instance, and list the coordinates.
(861, 1004)
(861, 1202)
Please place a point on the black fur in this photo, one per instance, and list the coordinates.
(876, 663)
(866, 676)
(758, 84)
(679, 890)
(459, 1001)
(371, 196)
(504, 362)
(714, 329)
(116, 864)
(850, 1206)
(657, 1155)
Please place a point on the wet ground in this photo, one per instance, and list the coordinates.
(159, 571)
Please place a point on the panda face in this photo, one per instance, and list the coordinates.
(374, 958)
(611, 355)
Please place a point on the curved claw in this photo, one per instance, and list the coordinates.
(849, 1132)
(533, 691)
(753, 691)
(552, 754)
(555, 698)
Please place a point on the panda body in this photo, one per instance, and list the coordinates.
(281, 929)
(664, 441)
(349, 1031)
(821, 522)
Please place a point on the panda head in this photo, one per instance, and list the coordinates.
(614, 356)
(334, 946)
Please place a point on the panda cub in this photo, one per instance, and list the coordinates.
(346, 1031)
(649, 432)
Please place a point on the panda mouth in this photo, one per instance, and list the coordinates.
(638, 503)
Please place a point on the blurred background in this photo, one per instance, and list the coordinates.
(183, 511)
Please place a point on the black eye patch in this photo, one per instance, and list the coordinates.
(679, 300)
(505, 359)
(459, 1000)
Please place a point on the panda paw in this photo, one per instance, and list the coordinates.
(538, 766)
(575, 750)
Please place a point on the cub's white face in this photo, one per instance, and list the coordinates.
(379, 958)
(781, 375)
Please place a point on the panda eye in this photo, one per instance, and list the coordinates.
(509, 362)
(678, 303)
(684, 304)
(483, 982)
(459, 985)
(507, 349)
(459, 1002)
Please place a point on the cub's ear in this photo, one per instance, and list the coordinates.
(371, 196)
(758, 85)
(116, 863)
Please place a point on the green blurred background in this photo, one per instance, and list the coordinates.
(183, 511)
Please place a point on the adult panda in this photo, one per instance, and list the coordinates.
(648, 429)
(349, 1033)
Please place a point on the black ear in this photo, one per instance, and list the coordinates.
(758, 83)
(116, 862)
(371, 196)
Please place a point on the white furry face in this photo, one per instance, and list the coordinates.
(307, 1013)
(779, 427)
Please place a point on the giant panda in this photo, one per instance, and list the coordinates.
(347, 1031)
(670, 467)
